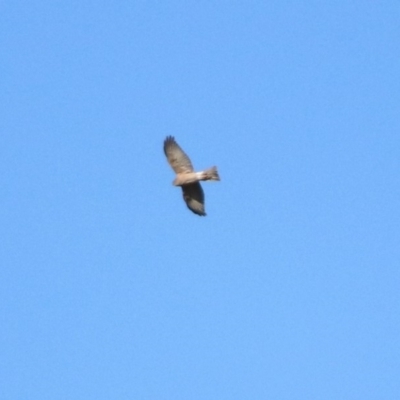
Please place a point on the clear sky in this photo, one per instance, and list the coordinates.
(110, 288)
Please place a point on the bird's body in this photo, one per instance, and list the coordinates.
(210, 174)
(186, 177)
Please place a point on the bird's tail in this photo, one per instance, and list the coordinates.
(211, 174)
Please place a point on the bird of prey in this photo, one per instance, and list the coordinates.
(186, 177)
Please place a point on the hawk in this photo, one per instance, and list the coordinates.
(186, 177)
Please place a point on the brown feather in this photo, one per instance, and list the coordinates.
(194, 197)
(177, 158)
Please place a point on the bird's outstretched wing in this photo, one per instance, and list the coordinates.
(177, 158)
(194, 198)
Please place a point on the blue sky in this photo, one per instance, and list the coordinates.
(289, 288)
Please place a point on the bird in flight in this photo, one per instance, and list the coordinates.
(186, 177)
